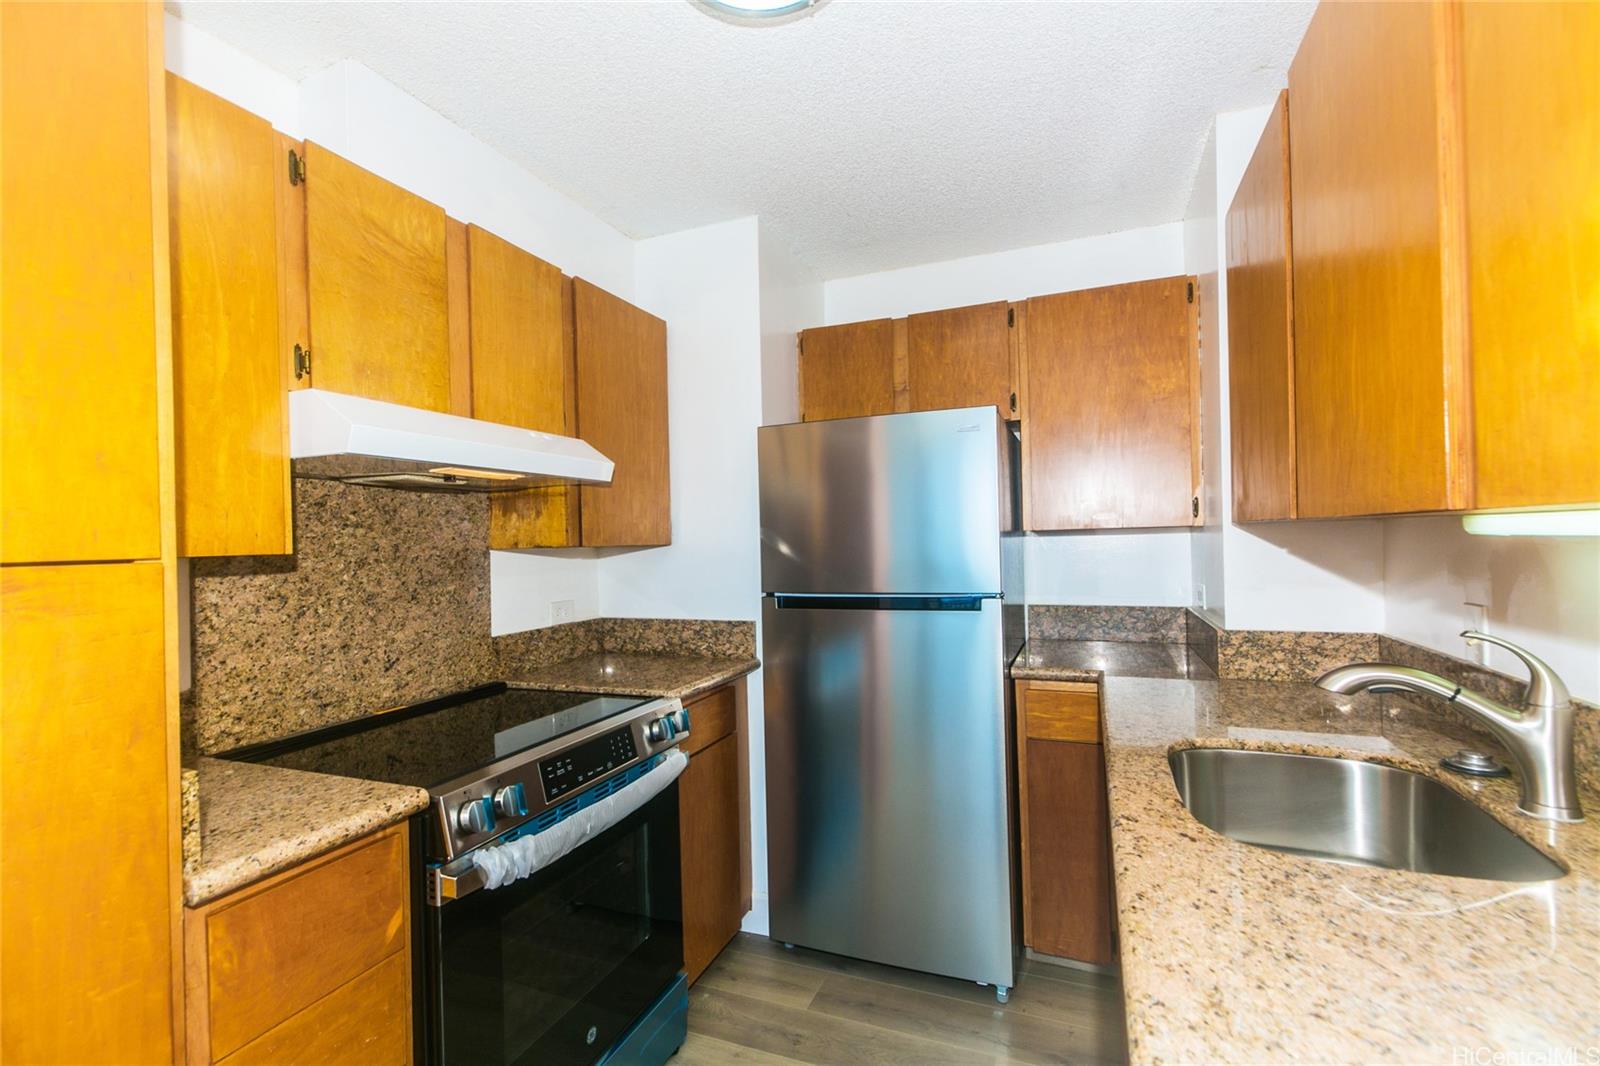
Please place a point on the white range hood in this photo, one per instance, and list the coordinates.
(369, 442)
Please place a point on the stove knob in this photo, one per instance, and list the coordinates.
(511, 801)
(661, 730)
(476, 816)
(682, 721)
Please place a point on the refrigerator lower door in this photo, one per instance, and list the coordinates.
(887, 781)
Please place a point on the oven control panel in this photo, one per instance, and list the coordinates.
(578, 766)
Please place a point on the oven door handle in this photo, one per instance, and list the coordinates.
(446, 884)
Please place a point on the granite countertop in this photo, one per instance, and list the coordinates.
(1239, 954)
(635, 674)
(245, 821)
(1091, 660)
(256, 820)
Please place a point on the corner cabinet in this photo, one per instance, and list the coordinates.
(621, 356)
(1261, 330)
(1445, 345)
(714, 825)
(1110, 384)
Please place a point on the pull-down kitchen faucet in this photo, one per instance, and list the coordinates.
(1538, 732)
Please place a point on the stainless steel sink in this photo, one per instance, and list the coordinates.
(1354, 812)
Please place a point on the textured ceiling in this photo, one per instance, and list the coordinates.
(869, 136)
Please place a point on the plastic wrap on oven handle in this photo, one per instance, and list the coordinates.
(504, 863)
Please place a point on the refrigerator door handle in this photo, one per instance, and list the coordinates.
(785, 601)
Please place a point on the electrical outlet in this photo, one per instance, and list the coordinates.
(1200, 595)
(562, 611)
(1477, 617)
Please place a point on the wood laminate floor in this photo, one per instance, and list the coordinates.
(760, 1003)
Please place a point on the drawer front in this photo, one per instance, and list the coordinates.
(279, 950)
(365, 1023)
(711, 717)
(1062, 713)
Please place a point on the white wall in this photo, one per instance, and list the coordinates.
(1149, 568)
(790, 301)
(1286, 575)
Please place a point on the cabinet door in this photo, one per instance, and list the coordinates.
(1068, 906)
(1261, 330)
(83, 236)
(1108, 407)
(622, 411)
(960, 358)
(522, 375)
(86, 963)
(228, 370)
(847, 370)
(708, 818)
(1379, 361)
(1531, 121)
(379, 299)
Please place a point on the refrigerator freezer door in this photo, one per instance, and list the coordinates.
(887, 796)
(906, 503)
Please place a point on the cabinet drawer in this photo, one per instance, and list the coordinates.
(279, 949)
(365, 1023)
(1062, 713)
(711, 717)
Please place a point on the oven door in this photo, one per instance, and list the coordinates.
(556, 967)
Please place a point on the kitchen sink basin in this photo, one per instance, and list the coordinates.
(1346, 811)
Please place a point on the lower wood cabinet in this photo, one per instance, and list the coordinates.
(714, 826)
(312, 965)
(1066, 841)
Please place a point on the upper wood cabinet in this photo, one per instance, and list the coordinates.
(1261, 330)
(1108, 407)
(83, 273)
(83, 682)
(847, 370)
(961, 357)
(378, 286)
(621, 356)
(1380, 369)
(1530, 91)
(228, 353)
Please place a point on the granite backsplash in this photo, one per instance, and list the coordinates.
(384, 603)
(1150, 625)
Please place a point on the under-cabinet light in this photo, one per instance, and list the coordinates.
(757, 11)
(1534, 524)
(481, 475)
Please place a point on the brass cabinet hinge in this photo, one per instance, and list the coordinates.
(297, 168)
(302, 362)
(1189, 296)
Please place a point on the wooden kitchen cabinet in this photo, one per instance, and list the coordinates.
(1109, 391)
(961, 357)
(848, 370)
(621, 359)
(1063, 821)
(1380, 368)
(82, 680)
(378, 290)
(523, 375)
(1530, 93)
(82, 303)
(714, 826)
(230, 392)
(1261, 330)
(314, 962)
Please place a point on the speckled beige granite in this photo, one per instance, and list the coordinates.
(1158, 625)
(632, 674)
(189, 811)
(1275, 655)
(1201, 636)
(385, 603)
(1090, 660)
(642, 636)
(1232, 953)
(257, 820)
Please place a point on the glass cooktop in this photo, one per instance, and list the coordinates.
(435, 742)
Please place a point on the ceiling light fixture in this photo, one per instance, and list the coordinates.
(758, 12)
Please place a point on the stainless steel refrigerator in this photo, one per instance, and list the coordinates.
(891, 578)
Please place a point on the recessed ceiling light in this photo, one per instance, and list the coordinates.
(764, 12)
